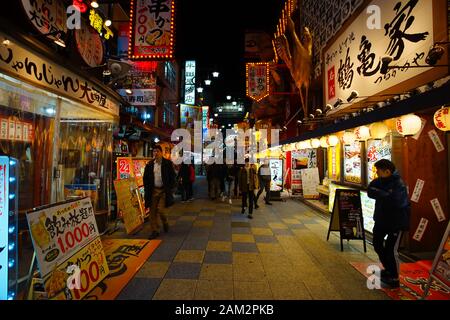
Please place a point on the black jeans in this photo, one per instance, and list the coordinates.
(387, 249)
(263, 187)
(187, 191)
(251, 200)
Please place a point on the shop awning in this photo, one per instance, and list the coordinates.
(431, 99)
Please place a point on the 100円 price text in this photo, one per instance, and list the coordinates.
(230, 309)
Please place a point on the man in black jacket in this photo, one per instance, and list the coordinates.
(392, 211)
(159, 180)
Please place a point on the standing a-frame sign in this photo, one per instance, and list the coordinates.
(347, 216)
(440, 270)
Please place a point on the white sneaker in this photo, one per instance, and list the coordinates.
(223, 198)
(230, 202)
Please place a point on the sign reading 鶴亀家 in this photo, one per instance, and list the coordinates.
(353, 61)
(257, 80)
(60, 231)
(20, 62)
(152, 29)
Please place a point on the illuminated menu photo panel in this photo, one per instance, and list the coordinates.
(352, 163)
(152, 29)
(377, 150)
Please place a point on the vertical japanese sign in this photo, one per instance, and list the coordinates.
(257, 80)
(189, 82)
(205, 120)
(276, 175)
(152, 29)
(4, 224)
(353, 61)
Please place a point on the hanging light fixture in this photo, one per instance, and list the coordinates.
(207, 82)
(362, 133)
(378, 130)
(324, 142)
(307, 144)
(315, 143)
(199, 89)
(333, 140)
(408, 125)
(349, 138)
(215, 74)
(442, 119)
(94, 4)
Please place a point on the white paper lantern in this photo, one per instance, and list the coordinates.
(378, 130)
(362, 133)
(333, 140)
(442, 119)
(408, 125)
(349, 137)
(315, 143)
(307, 144)
(324, 142)
(298, 146)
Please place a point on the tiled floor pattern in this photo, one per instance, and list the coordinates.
(212, 251)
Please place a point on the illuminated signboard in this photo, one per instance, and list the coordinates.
(98, 24)
(152, 29)
(189, 82)
(205, 122)
(377, 150)
(8, 228)
(276, 175)
(257, 80)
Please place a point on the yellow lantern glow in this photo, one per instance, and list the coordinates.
(442, 119)
(315, 143)
(408, 125)
(362, 133)
(349, 137)
(333, 140)
(324, 142)
(307, 144)
(378, 130)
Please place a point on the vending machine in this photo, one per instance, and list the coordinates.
(8, 227)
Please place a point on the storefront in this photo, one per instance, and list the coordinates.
(59, 126)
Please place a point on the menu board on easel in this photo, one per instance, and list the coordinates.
(440, 271)
(130, 205)
(347, 217)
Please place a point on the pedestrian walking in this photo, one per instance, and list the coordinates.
(159, 181)
(248, 183)
(264, 183)
(191, 182)
(392, 215)
(185, 181)
(229, 182)
(215, 181)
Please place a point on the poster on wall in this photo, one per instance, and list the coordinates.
(58, 232)
(310, 182)
(276, 175)
(129, 203)
(302, 159)
(377, 150)
(352, 163)
(334, 162)
(152, 29)
(353, 61)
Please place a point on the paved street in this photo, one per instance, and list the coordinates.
(212, 251)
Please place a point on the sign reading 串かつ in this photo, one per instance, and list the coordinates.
(276, 174)
(152, 29)
(353, 61)
(59, 232)
(257, 80)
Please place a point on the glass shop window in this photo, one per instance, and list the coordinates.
(27, 122)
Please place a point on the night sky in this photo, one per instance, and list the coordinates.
(212, 32)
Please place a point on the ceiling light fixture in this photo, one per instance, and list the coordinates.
(94, 4)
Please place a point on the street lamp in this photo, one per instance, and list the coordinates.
(215, 74)
(199, 89)
(207, 82)
(228, 97)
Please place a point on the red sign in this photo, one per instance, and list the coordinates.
(89, 45)
(331, 83)
(80, 5)
(257, 80)
(152, 29)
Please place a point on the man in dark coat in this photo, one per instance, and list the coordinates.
(159, 180)
(392, 212)
(184, 177)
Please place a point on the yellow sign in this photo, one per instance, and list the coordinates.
(129, 204)
(334, 163)
(83, 272)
